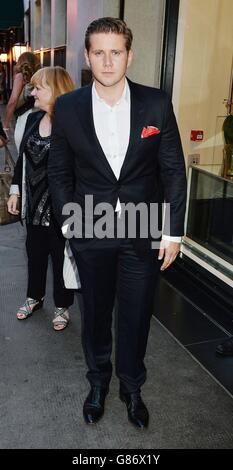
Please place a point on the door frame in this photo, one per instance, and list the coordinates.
(169, 42)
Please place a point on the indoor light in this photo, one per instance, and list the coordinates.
(17, 50)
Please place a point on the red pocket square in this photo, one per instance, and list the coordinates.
(149, 130)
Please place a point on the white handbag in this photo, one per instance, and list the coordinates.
(70, 270)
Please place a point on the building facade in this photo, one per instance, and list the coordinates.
(200, 72)
(55, 29)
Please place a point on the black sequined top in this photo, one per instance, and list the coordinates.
(38, 201)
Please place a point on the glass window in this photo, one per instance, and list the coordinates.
(210, 213)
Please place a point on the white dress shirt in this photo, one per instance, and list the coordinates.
(112, 127)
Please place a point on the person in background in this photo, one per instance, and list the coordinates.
(44, 237)
(2, 84)
(21, 103)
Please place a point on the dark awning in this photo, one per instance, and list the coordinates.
(11, 14)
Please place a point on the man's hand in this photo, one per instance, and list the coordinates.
(169, 251)
(12, 204)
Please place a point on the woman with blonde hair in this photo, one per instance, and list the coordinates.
(30, 186)
(21, 102)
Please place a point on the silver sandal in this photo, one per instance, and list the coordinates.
(61, 318)
(29, 306)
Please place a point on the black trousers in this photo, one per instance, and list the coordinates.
(40, 243)
(105, 273)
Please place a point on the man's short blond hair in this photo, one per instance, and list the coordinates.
(109, 25)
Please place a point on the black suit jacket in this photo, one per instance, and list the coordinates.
(32, 121)
(153, 168)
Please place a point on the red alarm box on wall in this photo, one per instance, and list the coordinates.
(196, 135)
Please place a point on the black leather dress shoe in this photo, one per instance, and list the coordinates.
(137, 411)
(93, 408)
(225, 348)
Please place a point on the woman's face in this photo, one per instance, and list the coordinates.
(42, 94)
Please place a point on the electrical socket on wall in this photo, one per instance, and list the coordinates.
(194, 159)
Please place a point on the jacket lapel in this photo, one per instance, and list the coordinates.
(35, 117)
(85, 115)
(136, 125)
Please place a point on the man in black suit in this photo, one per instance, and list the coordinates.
(118, 142)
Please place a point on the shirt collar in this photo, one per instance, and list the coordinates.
(125, 97)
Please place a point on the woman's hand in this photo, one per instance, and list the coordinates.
(12, 204)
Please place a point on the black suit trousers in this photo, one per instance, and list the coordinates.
(40, 243)
(117, 272)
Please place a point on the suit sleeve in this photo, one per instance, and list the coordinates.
(172, 174)
(60, 165)
(17, 178)
(18, 170)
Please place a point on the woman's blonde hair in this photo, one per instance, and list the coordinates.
(57, 79)
(27, 64)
